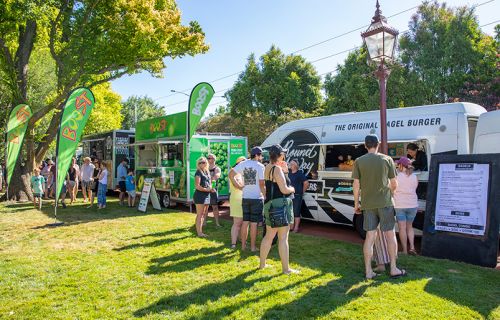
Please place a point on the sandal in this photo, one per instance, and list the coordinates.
(401, 274)
(233, 245)
(373, 276)
(412, 252)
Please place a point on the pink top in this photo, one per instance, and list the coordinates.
(405, 195)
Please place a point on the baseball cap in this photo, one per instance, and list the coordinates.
(372, 138)
(404, 161)
(255, 151)
(277, 149)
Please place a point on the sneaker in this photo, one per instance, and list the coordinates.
(63, 205)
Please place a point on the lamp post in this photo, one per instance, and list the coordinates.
(175, 91)
(380, 40)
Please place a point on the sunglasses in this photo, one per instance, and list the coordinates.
(202, 162)
(210, 158)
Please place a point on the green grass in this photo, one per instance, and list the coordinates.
(121, 264)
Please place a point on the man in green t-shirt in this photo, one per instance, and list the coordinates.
(374, 176)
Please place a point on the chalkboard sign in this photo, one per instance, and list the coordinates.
(463, 209)
(148, 191)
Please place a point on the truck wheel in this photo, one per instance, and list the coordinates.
(165, 200)
(358, 225)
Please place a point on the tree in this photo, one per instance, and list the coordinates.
(141, 107)
(276, 82)
(446, 49)
(106, 114)
(90, 42)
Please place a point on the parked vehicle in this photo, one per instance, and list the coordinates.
(325, 148)
(111, 148)
(487, 138)
(164, 153)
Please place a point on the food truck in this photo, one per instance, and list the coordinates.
(111, 148)
(326, 147)
(488, 133)
(164, 153)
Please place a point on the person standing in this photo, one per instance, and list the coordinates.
(417, 157)
(95, 182)
(130, 184)
(300, 184)
(46, 173)
(37, 186)
(254, 189)
(86, 176)
(203, 190)
(406, 204)
(103, 186)
(73, 177)
(215, 173)
(236, 210)
(374, 177)
(121, 173)
(278, 195)
(77, 179)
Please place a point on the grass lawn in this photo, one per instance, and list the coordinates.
(122, 264)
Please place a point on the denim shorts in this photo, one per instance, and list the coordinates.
(406, 214)
(384, 216)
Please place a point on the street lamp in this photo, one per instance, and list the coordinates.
(380, 40)
(175, 91)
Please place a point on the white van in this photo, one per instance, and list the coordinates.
(323, 146)
(488, 133)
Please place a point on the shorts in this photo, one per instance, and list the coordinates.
(297, 205)
(72, 184)
(122, 185)
(406, 214)
(214, 198)
(37, 195)
(131, 193)
(252, 209)
(384, 216)
(86, 184)
(201, 197)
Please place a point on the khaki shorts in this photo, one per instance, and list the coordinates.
(384, 216)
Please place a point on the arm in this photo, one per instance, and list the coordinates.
(306, 185)
(355, 191)
(393, 184)
(279, 177)
(235, 183)
(262, 185)
(197, 185)
(217, 174)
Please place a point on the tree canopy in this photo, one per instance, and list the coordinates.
(142, 107)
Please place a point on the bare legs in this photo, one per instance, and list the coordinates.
(283, 247)
(253, 235)
(215, 209)
(295, 226)
(235, 230)
(368, 252)
(406, 235)
(200, 216)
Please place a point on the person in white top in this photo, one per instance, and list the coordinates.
(103, 187)
(254, 189)
(406, 203)
(86, 176)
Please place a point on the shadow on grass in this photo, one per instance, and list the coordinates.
(78, 213)
(203, 295)
(190, 260)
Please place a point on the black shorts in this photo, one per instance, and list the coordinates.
(214, 198)
(297, 205)
(252, 209)
(123, 187)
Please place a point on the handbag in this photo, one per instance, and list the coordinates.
(278, 216)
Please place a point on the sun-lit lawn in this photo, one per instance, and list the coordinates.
(122, 264)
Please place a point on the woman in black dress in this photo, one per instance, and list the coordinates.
(202, 192)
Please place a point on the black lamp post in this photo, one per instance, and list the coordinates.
(380, 40)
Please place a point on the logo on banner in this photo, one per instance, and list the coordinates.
(74, 120)
(202, 96)
(299, 148)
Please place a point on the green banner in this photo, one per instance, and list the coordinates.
(199, 99)
(16, 129)
(73, 120)
(173, 125)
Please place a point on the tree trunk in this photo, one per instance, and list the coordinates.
(20, 185)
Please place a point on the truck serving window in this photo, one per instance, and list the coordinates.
(172, 155)
(147, 155)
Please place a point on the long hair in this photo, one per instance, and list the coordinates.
(203, 167)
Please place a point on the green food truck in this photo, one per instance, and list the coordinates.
(164, 153)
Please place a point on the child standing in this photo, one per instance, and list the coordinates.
(37, 186)
(130, 187)
(103, 187)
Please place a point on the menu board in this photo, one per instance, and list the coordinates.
(462, 198)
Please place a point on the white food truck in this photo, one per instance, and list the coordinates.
(487, 138)
(324, 145)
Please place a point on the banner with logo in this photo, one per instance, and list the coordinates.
(73, 120)
(199, 99)
(16, 129)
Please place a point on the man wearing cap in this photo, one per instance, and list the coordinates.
(374, 177)
(253, 187)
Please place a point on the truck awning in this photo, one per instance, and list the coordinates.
(343, 143)
(151, 142)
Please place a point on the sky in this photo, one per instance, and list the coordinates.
(235, 28)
